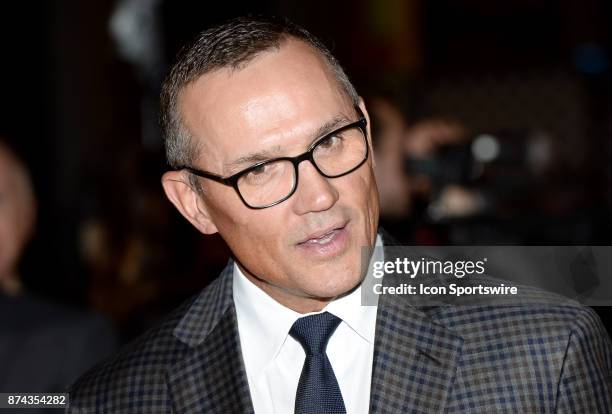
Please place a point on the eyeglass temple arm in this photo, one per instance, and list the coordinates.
(205, 174)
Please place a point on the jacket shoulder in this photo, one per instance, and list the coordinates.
(134, 380)
(138, 367)
(548, 354)
(531, 312)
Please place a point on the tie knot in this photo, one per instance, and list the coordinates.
(314, 331)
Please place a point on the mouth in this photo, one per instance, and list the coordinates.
(323, 236)
(326, 242)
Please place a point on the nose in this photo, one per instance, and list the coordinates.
(314, 192)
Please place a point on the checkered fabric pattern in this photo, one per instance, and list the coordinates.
(191, 363)
(488, 359)
(548, 356)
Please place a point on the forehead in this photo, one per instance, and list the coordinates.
(279, 95)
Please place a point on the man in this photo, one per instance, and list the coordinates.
(270, 147)
(17, 217)
(43, 347)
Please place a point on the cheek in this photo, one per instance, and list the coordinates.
(246, 231)
(365, 198)
(373, 195)
(368, 203)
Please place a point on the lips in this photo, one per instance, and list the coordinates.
(323, 236)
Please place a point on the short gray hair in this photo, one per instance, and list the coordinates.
(232, 44)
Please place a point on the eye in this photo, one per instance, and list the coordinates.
(260, 174)
(259, 170)
(331, 142)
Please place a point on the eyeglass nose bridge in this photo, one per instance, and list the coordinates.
(307, 156)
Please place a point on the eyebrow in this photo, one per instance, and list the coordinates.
(336, 122)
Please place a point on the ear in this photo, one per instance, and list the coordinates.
(188, 201)
(368, 128)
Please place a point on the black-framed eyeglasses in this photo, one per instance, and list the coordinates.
(270, 182)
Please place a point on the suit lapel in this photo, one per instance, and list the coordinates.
(211, 377)
(415, 358)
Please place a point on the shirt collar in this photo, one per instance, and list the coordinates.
(264, 323)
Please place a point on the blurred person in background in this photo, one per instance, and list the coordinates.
(405, 194)
(17, 218)
(441, 183)
(43, 346)
(388, 131)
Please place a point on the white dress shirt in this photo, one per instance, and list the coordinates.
(273, 359)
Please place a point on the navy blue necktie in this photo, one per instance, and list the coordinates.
(318, 391)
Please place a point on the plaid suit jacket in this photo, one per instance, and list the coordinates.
(534, 358)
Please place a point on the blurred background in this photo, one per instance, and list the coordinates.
(492, 123)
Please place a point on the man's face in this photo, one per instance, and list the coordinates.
(309, 246)
(15, 213)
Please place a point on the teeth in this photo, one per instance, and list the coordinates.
(323, 239)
